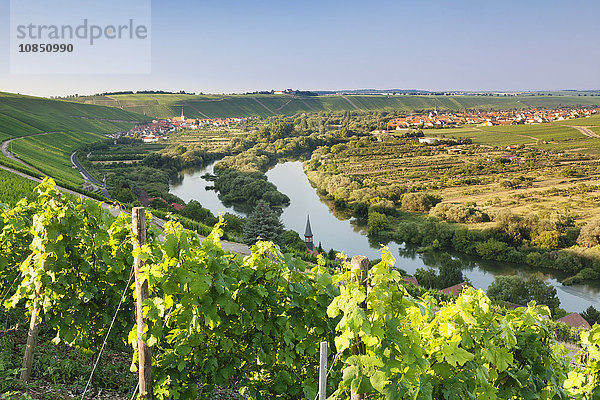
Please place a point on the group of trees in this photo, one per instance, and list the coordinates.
(421, 202)
(462, 213)
(248, 188)
(449, 273)
(509, 241)
(590, 234)
(514, 289)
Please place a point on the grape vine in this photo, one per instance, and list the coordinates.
(253, 324)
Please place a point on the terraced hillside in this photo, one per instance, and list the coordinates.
(70, 124)
(221, 106)
(25, 115)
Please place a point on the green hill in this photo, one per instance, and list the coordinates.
(71, 124)
(25, 115)
(221, 106)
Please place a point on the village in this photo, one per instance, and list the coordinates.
(159, 128)
(492, 118)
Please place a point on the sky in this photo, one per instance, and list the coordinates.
(225, 46)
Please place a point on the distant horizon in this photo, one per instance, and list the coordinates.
(386, 90)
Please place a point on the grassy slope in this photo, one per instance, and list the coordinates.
(75, 123)
(214, 106)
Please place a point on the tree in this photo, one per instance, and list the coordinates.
(419, 201)
(195, 211)
(591, 315)
(263, 223)
(590, 234)
(449, 274)
(515, 289)
(377, 222)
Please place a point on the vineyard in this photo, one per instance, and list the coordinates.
(13, 188)
(265, 105)
(471, 165)
(25, 115)
(252, 326)
(51, 153)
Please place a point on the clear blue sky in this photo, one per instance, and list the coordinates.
(225, 46)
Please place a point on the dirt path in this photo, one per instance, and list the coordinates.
(185, 103)
(286, 103)
(586, 131)
(351, 103)
(6, 152)
(267, 108)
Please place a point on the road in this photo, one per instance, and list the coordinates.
(88, 176)
(586, 131)
(8, 154)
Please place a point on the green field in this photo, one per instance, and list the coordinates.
(220, 106)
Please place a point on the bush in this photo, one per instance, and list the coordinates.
(490, 249)
(419, 201)
(590, 234)
(459, 213)
(567, 262)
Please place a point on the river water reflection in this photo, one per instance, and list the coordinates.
(334, 230)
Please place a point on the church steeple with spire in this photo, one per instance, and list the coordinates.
(182, 117)
(308, 238)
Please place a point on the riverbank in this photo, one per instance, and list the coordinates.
(333, 229)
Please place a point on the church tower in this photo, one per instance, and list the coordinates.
(182, 117)
(308, 238)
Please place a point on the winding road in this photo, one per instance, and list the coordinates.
(88, 176)
(8, 154)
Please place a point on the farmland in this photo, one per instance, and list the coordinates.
(558, 167)
(70, 125)
(50, 153)
(263, 105)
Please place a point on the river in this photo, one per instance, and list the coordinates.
(337, 231)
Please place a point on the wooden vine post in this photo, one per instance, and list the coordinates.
(360, 269)
(323, 371)
(138, 219)
(32, 335)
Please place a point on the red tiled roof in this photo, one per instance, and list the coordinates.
(455, 290)
(178, 207)
(575, 320)
(411, 279)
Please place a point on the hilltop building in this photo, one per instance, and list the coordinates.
(308, 238)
